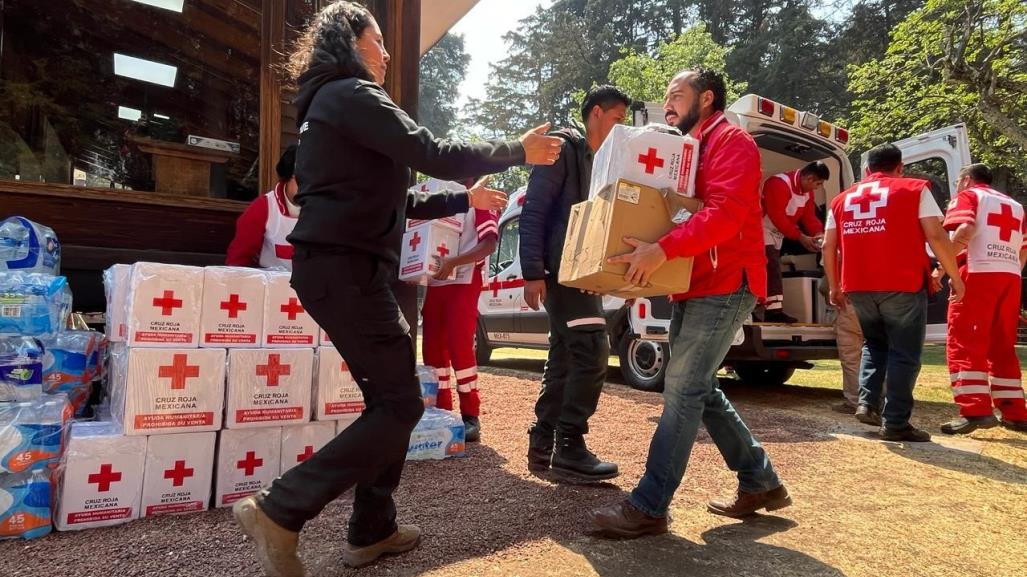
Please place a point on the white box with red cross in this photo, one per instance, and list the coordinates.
(248, 460)
(233, 307)
(101, 477)
(115, 285)
(300, 442)
(338, 397)
(164, 302)
(157, 391)
(424, 247)
(436, 186)
(647, 156)
(269, 387)
(179, 473)
(286, 323)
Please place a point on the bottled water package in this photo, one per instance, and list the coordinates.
(33, 304)
(32, 433)
(71, 364)
(438, 435)
(26, 246)
(21, 368)
(25, 505)
(429, 385)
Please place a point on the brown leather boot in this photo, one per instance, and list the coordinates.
(276, 545)
(625, 521)
(406, 538)
(745, 504)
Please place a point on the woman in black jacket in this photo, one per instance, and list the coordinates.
(353, 166)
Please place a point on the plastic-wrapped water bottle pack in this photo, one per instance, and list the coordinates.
(26, 246)
(33, 304)
(21, 368)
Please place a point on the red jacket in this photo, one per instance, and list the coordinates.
(726, 236)
(777, 194)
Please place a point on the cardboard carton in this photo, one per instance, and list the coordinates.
(164, 305)
(650, 155)
(300, 442)
(269, 387)
(179, 472)
(233, 307)
(286, 323)
(115, 284)
(338, 396)
(248, 460)
(424, 247)
(436, 186)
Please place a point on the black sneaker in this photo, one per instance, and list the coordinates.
(909, 434)
(472, 429)
(1020, 426)
(868, 416)
(574, 463)
(778, 316)
(964, 425)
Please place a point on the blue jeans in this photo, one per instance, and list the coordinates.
(894, 325)
(701, 332)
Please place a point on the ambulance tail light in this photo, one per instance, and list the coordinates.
(824, 129)
(810, 121)
(841, 135)
(641, 310)
(782, 354)
(765, 107)
(789, 115)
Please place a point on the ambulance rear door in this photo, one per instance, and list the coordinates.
(937, 157)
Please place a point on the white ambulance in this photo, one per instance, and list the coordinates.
(766, 353)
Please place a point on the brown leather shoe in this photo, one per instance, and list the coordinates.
(276, 545)
(625, 521)
(745, 504)
(406, 538)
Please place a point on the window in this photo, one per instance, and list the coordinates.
(147, 95)
(506, 250)
(935, 171)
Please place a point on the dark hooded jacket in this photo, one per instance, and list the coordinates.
(356, 150)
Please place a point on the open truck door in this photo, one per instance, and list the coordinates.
(937, 157)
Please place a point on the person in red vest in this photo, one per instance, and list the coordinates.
(450, 317)
(261, 229)
(877, 229)
(789, 212)
(988, 228)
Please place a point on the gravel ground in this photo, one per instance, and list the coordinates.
(863, 508)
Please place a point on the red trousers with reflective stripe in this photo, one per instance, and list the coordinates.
(981, 347)
(449, 319)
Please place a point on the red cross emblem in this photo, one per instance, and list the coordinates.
(250, 463)
(178, 474)
(864, 202)
(651, 161)
(168, 303)
(424, 187)
(178, 371)
(233, 305)
(443, 251)
(345, 367)
(273, 369)
(415, 240)
(1005, 222)
(308, 452)
(292, 308)
(105, 478)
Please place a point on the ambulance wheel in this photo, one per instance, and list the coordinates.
(643, 363)
(482, 350)
(764, 373)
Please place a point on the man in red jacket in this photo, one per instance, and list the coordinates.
(729, 273)
(261, 229)
(789, 213)
(878, 229)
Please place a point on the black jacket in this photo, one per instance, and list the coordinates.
(552, 190)
(353, 166)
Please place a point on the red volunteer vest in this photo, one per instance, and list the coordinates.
(880, 237)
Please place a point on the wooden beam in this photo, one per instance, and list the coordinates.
(272, 40)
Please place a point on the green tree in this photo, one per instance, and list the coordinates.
(951, 61)
(442, 69)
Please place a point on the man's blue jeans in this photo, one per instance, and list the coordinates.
(894, 325)
(701, 332)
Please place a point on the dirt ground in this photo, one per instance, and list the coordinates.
(863, 508)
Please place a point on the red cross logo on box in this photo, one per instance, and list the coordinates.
(168, 303)
(864, 202)
(415, 240)
(308, 452)
(651, 161)
(443, 250)
(105, 478)
(233, 305)
(178, 474)
(250, 463)
(1005, 221)
(179, 371)
(292, 308)
(273, 369)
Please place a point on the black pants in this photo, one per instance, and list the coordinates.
(775, 284)
(349, 296)
(579, 351)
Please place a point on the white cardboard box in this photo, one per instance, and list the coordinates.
(164, 305)
(248, 460)
(646, 156)
(424, 246)
(158, 391)
(233, 307)
(116, 280)
(101, 477)
(286, 323)
(179, 472)
(338, 396)
(269, 387)
(324, 340)
(299, 442)
(436, 186)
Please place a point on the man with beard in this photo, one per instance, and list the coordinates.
(729, 274)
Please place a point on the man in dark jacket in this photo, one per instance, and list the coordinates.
(579, 348)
